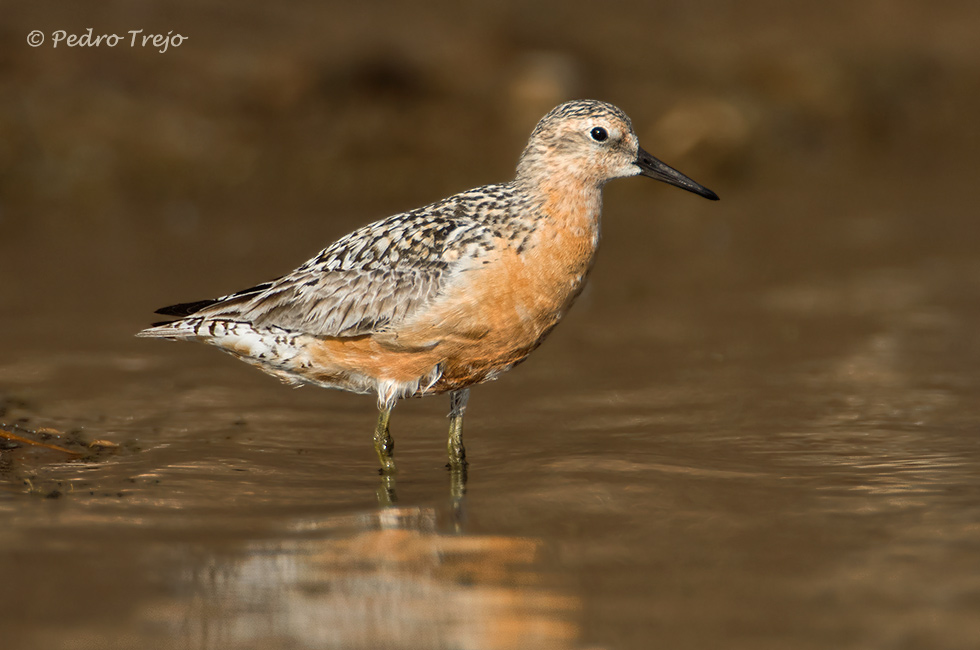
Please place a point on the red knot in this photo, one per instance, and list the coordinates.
(443, 297)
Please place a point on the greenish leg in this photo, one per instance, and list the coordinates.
(457, 484)
(383, 444)
(457, 404)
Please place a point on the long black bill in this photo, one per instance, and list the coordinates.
(650, 166)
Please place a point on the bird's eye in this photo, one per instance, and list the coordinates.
(598, 134)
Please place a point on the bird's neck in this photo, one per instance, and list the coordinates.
(567, 204)
(562, 245)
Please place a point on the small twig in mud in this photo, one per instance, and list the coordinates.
(10, 435)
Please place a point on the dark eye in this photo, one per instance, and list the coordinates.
(598, 134)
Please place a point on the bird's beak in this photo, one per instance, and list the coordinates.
(650, 166)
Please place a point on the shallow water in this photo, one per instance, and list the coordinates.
(727, 444)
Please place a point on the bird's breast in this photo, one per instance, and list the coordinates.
(503, 303)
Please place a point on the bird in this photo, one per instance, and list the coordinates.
(440, 298)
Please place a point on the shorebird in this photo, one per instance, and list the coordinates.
(442, 297)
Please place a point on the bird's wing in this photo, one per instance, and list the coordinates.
(361, 284)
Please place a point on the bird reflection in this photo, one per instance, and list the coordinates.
(399, 577)
(388, 492)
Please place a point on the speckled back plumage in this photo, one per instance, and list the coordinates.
(377, 275)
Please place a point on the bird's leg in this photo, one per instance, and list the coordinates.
(457, 406)
(457, 485)
(383, 444)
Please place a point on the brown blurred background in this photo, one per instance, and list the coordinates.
(131, 178)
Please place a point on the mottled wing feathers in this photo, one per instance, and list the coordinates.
(371, 278)
(335, 303)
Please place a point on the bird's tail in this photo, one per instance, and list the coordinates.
(174, 329)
